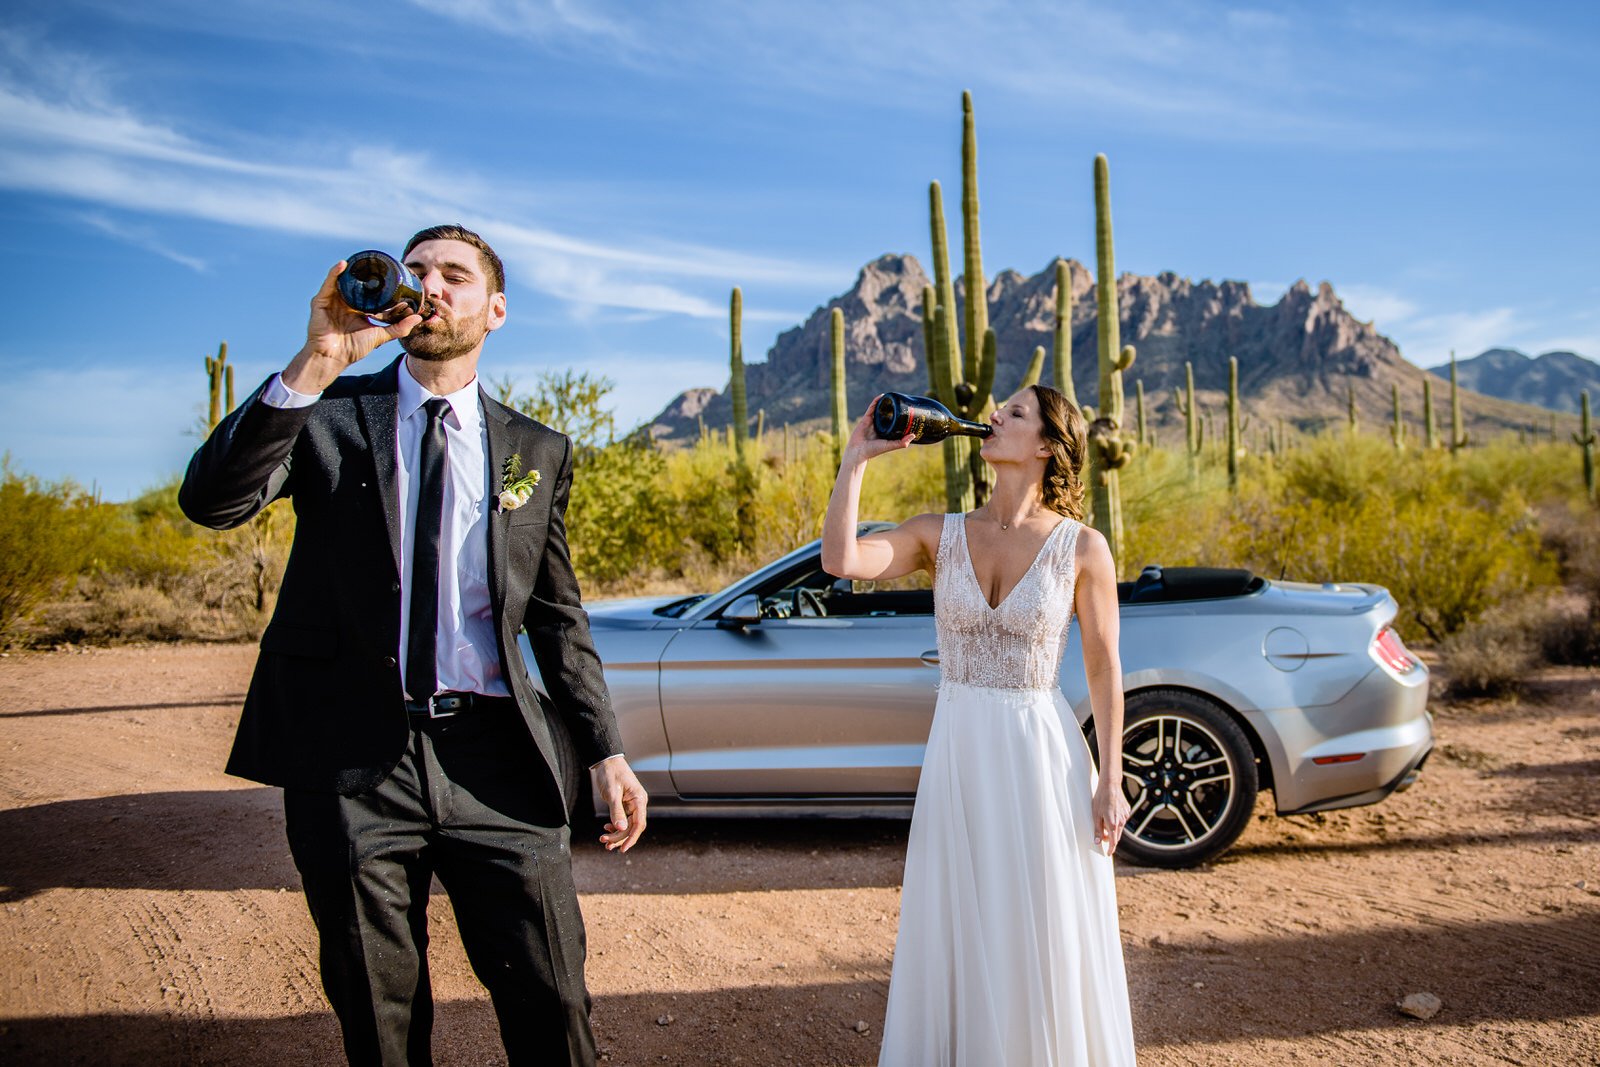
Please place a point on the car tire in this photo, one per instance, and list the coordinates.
(1190, 778)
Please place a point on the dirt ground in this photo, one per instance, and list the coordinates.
(152, 914)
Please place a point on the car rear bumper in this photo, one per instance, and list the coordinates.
(1374, 740)
(1398, 784)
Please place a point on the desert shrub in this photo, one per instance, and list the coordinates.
(148, 573)
(1566, 631)
(617, 520)
(1452, 536)
(1494, 654)
(1344, 509)
(46, 531)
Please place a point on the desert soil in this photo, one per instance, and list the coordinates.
(152, 914)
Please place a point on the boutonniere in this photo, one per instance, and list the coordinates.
(516, 485)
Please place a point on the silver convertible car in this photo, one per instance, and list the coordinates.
(793, 692)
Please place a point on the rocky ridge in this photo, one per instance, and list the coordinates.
(1297, 357)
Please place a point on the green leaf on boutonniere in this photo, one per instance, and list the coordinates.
(515, 486)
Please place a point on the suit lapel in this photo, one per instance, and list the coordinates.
(378, 413)
(498, 423)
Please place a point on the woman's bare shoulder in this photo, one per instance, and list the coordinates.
(1092, 552)
(927, 528)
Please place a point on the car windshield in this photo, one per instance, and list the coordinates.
(678, 607)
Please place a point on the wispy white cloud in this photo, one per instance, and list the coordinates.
(136, 437)
(644, 381)
(1376, 304)
(544, 20)
(1428, 339)
(63, 136)
(1252, 74)
(142, 237)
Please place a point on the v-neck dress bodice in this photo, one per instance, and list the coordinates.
(1018, 643)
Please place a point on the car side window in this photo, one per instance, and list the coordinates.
(814, 592)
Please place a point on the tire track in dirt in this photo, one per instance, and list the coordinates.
(300, 973)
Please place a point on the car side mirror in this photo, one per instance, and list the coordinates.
(744, 611)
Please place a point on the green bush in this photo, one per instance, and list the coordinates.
(1452, 536)
(46, 531)
(145, 572)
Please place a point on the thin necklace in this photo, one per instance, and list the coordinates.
(1003, 525)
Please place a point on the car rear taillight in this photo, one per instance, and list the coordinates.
(1392, 652)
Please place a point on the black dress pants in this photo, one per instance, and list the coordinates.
(466, 803)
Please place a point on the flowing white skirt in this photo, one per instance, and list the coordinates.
(1008, 950)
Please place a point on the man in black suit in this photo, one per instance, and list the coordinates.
(390, 700)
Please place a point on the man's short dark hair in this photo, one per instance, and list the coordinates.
(494, 271)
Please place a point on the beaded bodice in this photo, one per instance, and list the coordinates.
(1018, 644)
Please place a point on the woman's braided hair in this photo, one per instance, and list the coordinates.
(1064, 433)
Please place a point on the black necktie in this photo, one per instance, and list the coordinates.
(421, 667)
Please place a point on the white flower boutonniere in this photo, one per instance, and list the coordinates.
(516, 485)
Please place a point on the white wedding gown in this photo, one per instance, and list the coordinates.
(1008, 951)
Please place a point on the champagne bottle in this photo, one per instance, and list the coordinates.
(925, 418)
(381, 287)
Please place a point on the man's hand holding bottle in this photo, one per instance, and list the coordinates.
(336, 337)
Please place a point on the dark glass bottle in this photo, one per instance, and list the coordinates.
(381, 287)
(924, 417)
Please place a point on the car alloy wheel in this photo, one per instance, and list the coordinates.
(1189, 776)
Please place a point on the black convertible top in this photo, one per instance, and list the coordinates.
(1157, 584)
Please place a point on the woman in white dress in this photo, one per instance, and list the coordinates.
(1008, 950)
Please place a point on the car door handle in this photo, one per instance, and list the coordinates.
(931, 657)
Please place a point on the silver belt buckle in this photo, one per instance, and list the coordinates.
(435, 713)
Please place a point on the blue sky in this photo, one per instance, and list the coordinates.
(174, 174)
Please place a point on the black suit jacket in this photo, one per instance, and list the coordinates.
(325, 709)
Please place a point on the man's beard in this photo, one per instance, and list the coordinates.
(439, 340)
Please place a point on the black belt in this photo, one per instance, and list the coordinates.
(447, 705)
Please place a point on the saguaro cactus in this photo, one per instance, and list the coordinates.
(963, 383)
(1138, 387)
(1458, 436)
(1236, 428)
(219, 376)
(1585, 439)
(1109, 447)
(1035, 365)
(1430, 430)
(1063, 332)
(736, 367)
(1191, 418)
(977, 303)
(944, 357)
(1397, 431)
(839, 403)
(1351, 406)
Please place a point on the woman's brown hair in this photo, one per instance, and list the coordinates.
(1064, 433)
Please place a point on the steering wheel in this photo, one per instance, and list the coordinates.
(807, 604)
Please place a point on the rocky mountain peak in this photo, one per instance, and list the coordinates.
(1296, 355)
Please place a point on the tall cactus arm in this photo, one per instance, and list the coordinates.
(981, 396)
(977, 309)
(840, 401)
(942, 280)
(736, 372)
(1063, 332)
(1035, 368)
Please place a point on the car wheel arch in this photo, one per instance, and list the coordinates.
(1264, 769)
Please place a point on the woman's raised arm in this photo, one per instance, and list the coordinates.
(888, 553)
